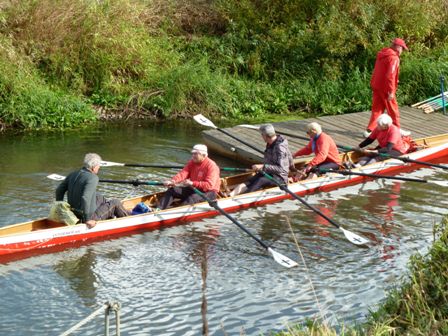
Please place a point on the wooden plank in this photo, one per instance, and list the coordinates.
(346, 129)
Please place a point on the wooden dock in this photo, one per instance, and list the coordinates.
(346, 129)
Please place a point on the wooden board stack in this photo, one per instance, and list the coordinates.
(433, 104)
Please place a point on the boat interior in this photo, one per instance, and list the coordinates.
(227, 185)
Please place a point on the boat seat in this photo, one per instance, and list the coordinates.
(224, 190)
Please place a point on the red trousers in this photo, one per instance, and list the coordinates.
(379, 104)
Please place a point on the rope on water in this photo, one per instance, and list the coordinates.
(322, 314)
(107, 307)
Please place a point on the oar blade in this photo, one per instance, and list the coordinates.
(354, 238)
(56, 177)
(199, 118)
(440, 183)
(110, 164)
(281, 259)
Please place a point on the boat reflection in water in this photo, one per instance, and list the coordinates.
(380, 211)
(80, 273)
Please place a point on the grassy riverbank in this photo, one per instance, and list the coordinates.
(418, 307)
(69, 62)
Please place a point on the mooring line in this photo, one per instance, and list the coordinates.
(322, 315)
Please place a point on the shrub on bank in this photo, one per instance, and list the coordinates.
(232, 58)
(418, 307)
(26, 102)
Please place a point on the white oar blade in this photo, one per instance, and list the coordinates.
(249, 126)
(110, 164)
(56, 177)
(354, 238)
(281, 259)
(440, 183)
(199, 118)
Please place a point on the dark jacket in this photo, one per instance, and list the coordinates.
(278, 158)
(80, 186)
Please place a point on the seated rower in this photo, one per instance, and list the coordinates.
(389, 139)
(325, 150)
(87, 204)
(200, 172)
(277, 162)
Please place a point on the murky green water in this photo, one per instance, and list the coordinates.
(206, 275)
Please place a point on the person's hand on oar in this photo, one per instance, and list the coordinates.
(353, 238)
(257, 167)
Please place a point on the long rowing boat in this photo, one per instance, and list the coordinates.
(44, 236)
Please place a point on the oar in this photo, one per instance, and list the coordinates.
(401, 158)
(282, 133)
(57, 177)
(353, 238)
(278, 257)
(410, 179)
(199, 118)
(406, 159)
(113, 164)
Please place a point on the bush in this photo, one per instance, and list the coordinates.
(28, 103)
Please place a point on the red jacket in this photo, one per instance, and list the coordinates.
(386, 71)
(204, 175)
(392, 135)
(325, 150)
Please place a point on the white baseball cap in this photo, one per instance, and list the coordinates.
(200, 149)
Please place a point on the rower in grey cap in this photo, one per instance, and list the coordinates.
(276, 162)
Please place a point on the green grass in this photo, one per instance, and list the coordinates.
(419, 306)
(235, 59)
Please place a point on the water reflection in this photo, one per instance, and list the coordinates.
(328, 208)
(200, 250)
(201, 278)
(381, 206)
(80, 273)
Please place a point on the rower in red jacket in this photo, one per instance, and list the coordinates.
(200, 172)
(324, 148)
(389, 140)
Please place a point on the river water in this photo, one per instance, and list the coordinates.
(204, 277)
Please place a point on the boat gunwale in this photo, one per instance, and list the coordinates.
(203, 209)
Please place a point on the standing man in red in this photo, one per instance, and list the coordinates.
(384, 85)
